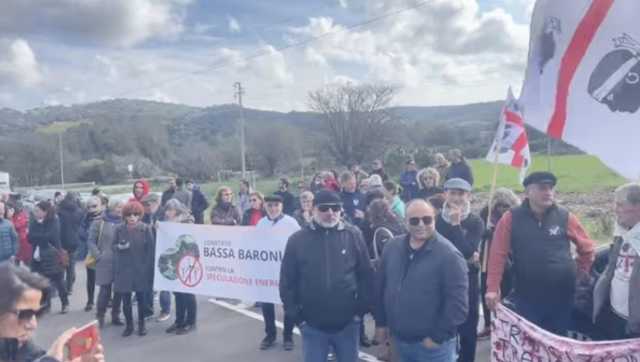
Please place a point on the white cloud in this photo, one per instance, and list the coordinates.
(18, 64)
(112, 23)
(234, 25)
(343, 4)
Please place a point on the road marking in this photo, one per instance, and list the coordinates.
(363, 356)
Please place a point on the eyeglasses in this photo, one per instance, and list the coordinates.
(26, 315)
(253, 200)
(325, 208)
(91, 206)
(415, 221)
(134, 214)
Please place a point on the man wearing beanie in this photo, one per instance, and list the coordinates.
(326, 282)
(538, 234)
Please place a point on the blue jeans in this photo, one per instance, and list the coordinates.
(418, 352)
(165, 302)
(552, 317)
(315, 343)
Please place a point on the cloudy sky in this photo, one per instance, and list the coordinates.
(192, 51)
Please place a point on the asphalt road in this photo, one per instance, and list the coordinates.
(225, 333)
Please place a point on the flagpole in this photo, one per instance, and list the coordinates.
(548, 153)
(492, 192)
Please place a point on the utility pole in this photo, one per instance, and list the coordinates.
(61, 160)
(239, 92)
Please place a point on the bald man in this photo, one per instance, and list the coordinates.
(422, 292)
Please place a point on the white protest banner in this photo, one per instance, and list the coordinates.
(582, 83)
(514, 339)
(238, 262)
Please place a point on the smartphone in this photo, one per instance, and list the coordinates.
(84, 340)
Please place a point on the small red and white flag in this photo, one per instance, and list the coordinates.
(582, 83)
(511, 145)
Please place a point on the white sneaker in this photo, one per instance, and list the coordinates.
(163, 317)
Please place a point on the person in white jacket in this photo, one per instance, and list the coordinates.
(276, 219)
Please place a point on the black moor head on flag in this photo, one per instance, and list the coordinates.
(547, 41)
(616, 79)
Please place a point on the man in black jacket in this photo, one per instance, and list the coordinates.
(288, 200)
(464, 229)
(422, 290)
(199, 202)
(326, 282)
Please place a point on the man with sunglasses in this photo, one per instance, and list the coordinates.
(422, 290)
(464, 229)
(326, 282)
(538, 234)
(276, 220)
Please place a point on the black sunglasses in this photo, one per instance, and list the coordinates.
(415, 221)
(28, 314)
(325, 208)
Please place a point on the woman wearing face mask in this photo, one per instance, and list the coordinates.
(94, 212)
(19, 308)
(304, 215)
(224, 212)
(100, 245)
(44, 236)
(133, 247)
(186, 305)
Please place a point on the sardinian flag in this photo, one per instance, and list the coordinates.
(583, 78)
(511, 145)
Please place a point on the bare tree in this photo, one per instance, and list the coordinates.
(355, 118)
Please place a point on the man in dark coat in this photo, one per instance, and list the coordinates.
(168, 193)
(464, 229)
(199, 202)
(459, 167)
(288, 200)
(70, 214)
(409, 181)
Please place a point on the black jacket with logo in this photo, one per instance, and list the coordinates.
(326, 276)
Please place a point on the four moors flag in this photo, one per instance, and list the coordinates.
(583, 78)
(511, 145)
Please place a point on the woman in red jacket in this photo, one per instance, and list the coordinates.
(20, 220)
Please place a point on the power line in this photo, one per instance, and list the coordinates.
(217, 66)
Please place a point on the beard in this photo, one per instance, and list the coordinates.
(326, 224)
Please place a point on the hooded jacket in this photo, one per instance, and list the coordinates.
(146, 188)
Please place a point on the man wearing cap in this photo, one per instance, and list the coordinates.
(288, 200)
(538, 234)
(422, 290)
(464, 229)
(286, 225)
(409, 181)
(326, 282)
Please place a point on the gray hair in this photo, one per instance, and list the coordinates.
(629, 192)
(306, 195)
(375, 181)
(115, 204)
(178, 206)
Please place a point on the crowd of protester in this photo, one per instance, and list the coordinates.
(414, 256)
